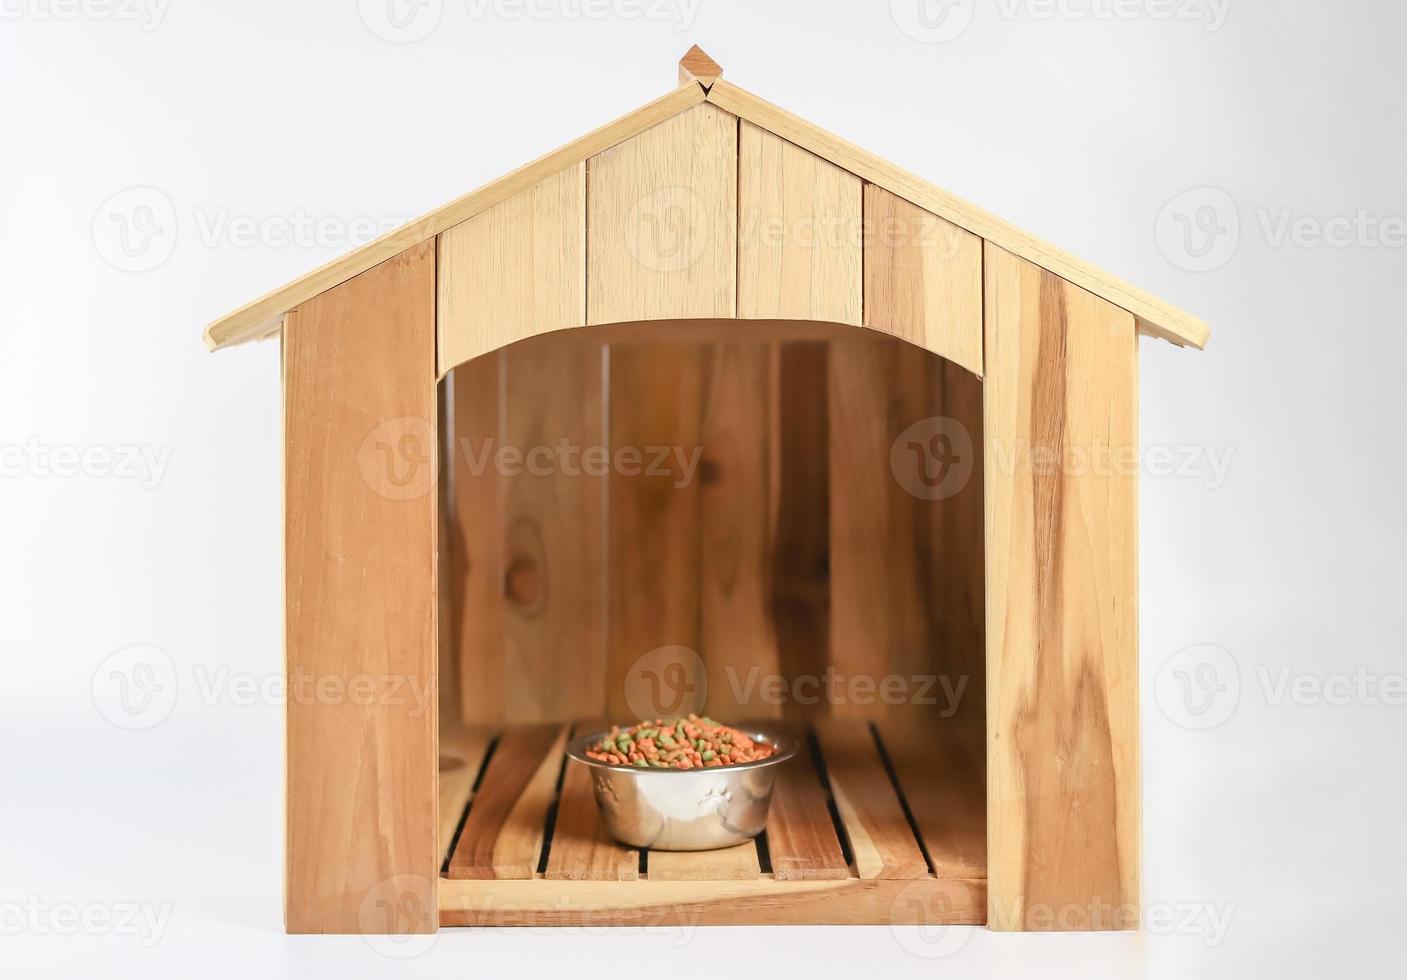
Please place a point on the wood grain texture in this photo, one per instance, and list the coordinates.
(503, 834)
(801, 595)
(880, 838)
(738, 863)
(1062, 671)
(940, 765)
(801, 836)
(1154, 316)
(799, 233)
(581, 849)
(923, 279)
(736, 637)
(761, 901)
(479, 541)
(360, 552)
(696, 66)
(260, 317)
(662, 221)
(462, 751)
(554, 529)
(515, 270)
(656, 396)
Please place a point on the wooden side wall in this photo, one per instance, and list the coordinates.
(1062, 597)
(360, 571)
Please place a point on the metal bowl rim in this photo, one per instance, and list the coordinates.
(786, 747)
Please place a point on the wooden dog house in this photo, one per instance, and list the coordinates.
(710, 408)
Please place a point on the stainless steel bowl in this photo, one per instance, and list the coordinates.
(684, 809)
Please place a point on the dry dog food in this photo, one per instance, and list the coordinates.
(685, 743)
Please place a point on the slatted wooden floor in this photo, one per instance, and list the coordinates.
(880, 823)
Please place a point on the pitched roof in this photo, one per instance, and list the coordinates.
(701, 81)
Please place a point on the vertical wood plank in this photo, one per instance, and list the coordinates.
(662, 221)
(552, 522)
(799, 231)
(515, 270)
(801, 592)
(581, 848)
(360, 524)
(478, 606)
(880, 837)
(1062, 684)
(923, 279)
(656, 395)
(503, 834)
(736, 635)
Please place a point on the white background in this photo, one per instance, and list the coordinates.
(1273, 837)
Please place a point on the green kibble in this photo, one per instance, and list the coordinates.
(679, 731)
(707, 755)
(657, 764)
(668, 742)
(641, 764)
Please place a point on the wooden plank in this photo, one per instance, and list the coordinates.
(503, 834)
(940, 766)
(801, 593)
(759, 901)
(360, 580)
(737, 639)
(1062, 664)
(462, 751)
(662, 221)
(923, 279)
(738, 863)
(880, 837)
(1155, 317)
(261, 316)
(696, 66)
(515, 270)
(801, 838)
(478, 605)
(799, 233)
(656, 395)
(553, 522)
(581, 849)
